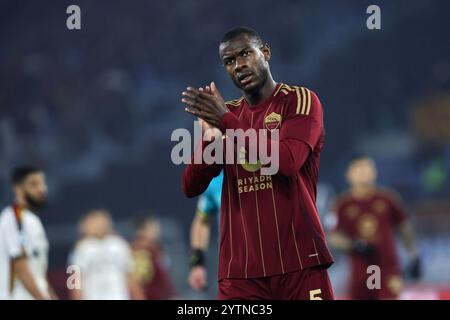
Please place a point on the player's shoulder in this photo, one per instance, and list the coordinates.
(83, 244)
(32, 218)
(6, 211)
(389, 194)
(235, 103)
(115, 239)
(341, 200)
(7, 215)
(301, 100)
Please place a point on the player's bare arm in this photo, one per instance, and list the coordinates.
(136, 291)
(51, 292)
(21, 269)
(200, 232)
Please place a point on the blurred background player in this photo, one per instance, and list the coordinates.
(23, 242)
(151, 265)
(366, 218)
(105, 261)
(208, 209)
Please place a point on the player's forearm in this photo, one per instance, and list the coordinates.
(293, 155)
(288, 155)
(21, 269)
(196, 182)
(76, 294)
(408, 238)
(51, 292)
(200, 232)
(197, 176)
(136, 291)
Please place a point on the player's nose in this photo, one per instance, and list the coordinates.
(240, 64)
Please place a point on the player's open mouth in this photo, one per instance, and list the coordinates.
(245, 78)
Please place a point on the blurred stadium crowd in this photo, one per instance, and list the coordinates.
(96, 107)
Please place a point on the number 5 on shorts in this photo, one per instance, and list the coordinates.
(313, 294)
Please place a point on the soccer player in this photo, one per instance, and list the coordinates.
(272, 245)
(366, 217)
(105, 261)
(23, 242)
(151, 270)
(208, 207)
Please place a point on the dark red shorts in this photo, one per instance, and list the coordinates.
(307, 284)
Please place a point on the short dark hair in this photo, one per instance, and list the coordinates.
(237, 31)
(20, 173)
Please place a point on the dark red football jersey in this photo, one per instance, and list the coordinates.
(269, 224)
(372, 218)
(151, 271)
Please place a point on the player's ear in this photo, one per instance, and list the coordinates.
(266, 51)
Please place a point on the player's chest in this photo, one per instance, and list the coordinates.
(367, 218)
(269, 117)
(104, 253)
(34, 239)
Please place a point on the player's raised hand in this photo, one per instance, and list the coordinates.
(214, 91)
(206, 104)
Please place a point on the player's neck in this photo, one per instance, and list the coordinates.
(258, 96)
(362, 191)
(19, 201)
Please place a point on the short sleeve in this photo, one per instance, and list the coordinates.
(304, 117)
(206, 205)
(9, 230)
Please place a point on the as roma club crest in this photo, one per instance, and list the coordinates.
(272, 121)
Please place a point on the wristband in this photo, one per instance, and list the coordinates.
(197, 258)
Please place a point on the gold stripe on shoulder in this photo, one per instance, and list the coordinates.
(279, 88)
(308, 101)
(288, 88)
(298, 100)
(284, 91)
(303, 100)
(235, 102)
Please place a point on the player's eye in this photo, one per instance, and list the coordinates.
(246, 53)
(228, 62)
